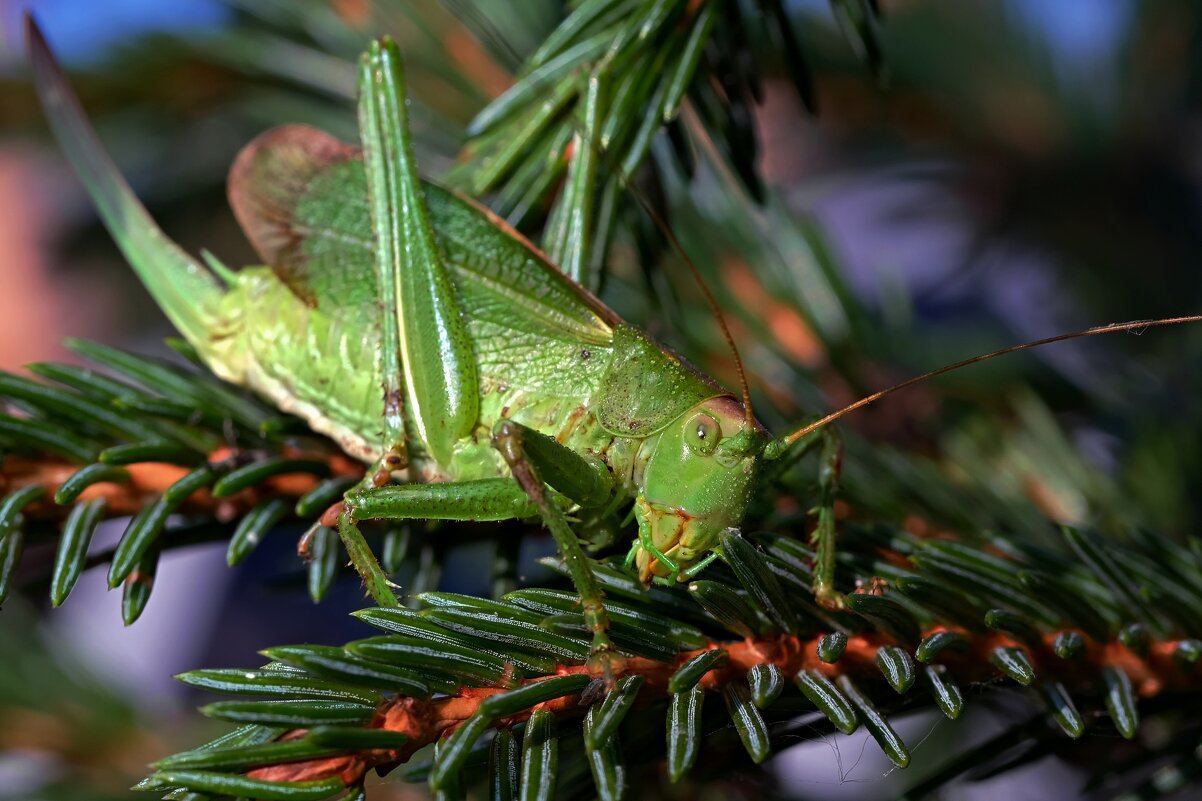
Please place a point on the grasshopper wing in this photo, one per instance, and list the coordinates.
(301, 196)
(303, 208)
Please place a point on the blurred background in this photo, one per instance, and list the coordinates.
(1011, 169)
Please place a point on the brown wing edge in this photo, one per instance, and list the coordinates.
(272, 174)
(268, 179)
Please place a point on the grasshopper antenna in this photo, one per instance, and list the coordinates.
(666, 230)
(777, 447)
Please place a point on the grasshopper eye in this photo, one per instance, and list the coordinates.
(702, 433)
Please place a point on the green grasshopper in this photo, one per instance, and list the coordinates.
(438, 346)
(499, 375)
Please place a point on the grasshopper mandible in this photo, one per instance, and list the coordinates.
(438, 346)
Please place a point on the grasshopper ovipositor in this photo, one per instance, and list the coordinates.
(435, 344)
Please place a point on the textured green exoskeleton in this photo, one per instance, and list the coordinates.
(438, 346)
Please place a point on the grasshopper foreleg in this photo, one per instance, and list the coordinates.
(824, 536)
(529, 455)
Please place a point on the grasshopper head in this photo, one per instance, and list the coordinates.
(696, 483)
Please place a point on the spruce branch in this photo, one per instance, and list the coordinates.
(579, 121)
(463, 667)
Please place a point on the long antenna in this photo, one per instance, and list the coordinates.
(782, 443)
(748, 412)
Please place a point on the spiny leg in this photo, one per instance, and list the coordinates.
(365, 562)
(784, 452)
(512, 440)
(486, 499)
(378, 133)
(824, 537)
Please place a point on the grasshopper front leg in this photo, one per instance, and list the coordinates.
(824, 537)
(783, 453)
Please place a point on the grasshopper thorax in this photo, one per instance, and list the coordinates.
(696, 483)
